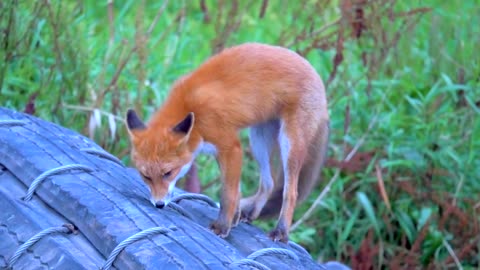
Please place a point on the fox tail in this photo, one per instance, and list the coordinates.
(309, 174)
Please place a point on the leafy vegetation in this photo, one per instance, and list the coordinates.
(402, 182)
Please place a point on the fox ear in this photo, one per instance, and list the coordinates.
(185, 126)
(133, 122)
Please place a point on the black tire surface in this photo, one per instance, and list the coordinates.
(106, 205)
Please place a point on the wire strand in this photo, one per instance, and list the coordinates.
(37, 181)
(136, 237)
(67, 228)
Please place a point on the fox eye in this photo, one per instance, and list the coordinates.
(147, 177)
(167, 174)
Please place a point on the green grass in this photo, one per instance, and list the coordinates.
(407, 93)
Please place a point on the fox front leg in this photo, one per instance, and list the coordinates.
(230, 161)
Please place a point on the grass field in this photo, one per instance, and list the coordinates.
(401, 187)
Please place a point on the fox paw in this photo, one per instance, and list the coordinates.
(279, 234)
(249, 210)
(247, 214)
(220, 229)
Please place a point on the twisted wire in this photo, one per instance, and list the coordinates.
(102, 154)
(180, 210)
(67, 228)
(138, 236)
(299, 248)
(37, 181)
(273, 251)
(251, 263)
(194, 196)
(12, 122)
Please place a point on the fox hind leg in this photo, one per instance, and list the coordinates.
(262, 140)
(293, 142)
(237, 215)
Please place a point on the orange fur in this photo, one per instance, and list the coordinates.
(246, 85)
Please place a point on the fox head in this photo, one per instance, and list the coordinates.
(161, 154)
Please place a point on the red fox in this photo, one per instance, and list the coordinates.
(270, 89)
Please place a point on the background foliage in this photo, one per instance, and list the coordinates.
(403, 83)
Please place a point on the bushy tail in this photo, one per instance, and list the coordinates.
(309, 175)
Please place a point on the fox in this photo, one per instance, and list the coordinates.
(271, 90)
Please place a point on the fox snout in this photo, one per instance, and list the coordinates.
(160, 194)
(160, 202)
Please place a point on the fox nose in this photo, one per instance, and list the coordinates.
(160, 204)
